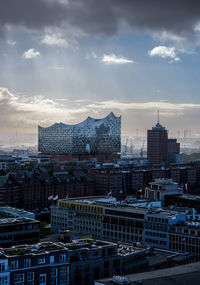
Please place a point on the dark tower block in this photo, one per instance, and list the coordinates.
(157, 144)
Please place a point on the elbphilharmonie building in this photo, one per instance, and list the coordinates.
(93, 136)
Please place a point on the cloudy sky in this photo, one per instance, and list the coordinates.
(62, 60)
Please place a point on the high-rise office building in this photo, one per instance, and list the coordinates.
(157, 144)
(173, 150)
(92, 136)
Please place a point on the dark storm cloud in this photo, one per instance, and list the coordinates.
(103, 16)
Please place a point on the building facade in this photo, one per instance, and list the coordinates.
(41, 264)
(18, 230)
(92, 136)
(77, 263)
(107, 180)
(160, 188)
(99, 217)
(157, 144)
(157, 227)
(173, 150)
(118, 222)
(185, 237)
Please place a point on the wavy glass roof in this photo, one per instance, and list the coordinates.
(89, 121)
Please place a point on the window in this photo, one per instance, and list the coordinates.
(78, 268)
(86, 267)
(2, 267)
(62, 257)
(18, 278)
(54, 281)
(95, 253)
(27, 262)
(41, 260)
(54, 272)
(116, 262)
(63, 271)
(52, 259)
(30, 276)
(4, 280)
(14, 264)
(63, 280)
(42, 279)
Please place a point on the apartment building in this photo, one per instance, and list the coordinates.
(101, 217)
(18, 230)
(160, 188)
(157, 226)
(185, 237)
(77, 263)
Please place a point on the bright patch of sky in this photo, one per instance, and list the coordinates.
(96, 61)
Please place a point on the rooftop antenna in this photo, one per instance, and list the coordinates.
(158, 117)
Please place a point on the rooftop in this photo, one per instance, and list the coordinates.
(141, 207)
(14, 211)
(190, 197)
(163, 181)
(127, 249)
(86, 244)
(189, 224)
(88, 122)
(158, 126)
(8, 221)
(165, 212)
(183, 274)
(160, 256)
(46, 247)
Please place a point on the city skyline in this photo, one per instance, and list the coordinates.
(99, 142)
(64, 60)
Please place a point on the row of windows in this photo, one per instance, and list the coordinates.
(20, 278)
(27, 262)
(157, 227)
(59, 218)
(184, 247)
(88, 216)
(123, 229)
(63, 272)
(183, 238)
(158, 220)
(155, 241)
(89, 209)
(192, 232)
(125, 237)
(154, 234)
(62, 225)
(87, 229)
(88, 222)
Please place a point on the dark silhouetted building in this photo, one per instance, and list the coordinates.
(173, 150)
(157, 144)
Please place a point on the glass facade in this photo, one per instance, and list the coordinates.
(93, 136)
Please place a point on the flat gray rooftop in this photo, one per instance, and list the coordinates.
(179, 275)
